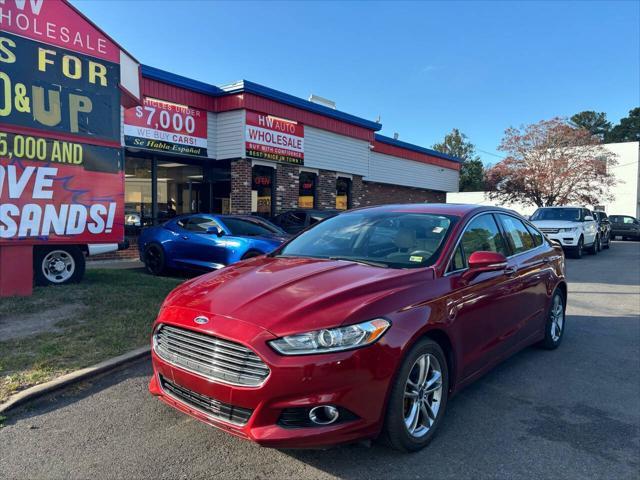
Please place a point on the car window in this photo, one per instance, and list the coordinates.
(628, 220)
(567, 214)
(538, 238)
(457, 261)
(246, 227)
(517, 234)
(586, 213)
(482, 234)
(201, 224)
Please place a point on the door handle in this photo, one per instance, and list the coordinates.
(510, 271)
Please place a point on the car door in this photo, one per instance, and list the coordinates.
(476, 308)
(590, 227)
(198, 246)
(531, 273)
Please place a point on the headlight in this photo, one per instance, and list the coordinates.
(332, 339)
(572, 229)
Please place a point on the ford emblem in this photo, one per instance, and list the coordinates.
(201, 320)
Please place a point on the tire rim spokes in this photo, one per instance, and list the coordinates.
(422, 395)
(557, 318)
(58, 266)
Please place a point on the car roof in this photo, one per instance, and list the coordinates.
(455, 209)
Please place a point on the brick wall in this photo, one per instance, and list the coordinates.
(357, 192)
(240, 187)
(326, 190)
(381, 193)
(287, 187)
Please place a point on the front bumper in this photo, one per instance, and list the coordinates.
(566, 239)
(356, 381)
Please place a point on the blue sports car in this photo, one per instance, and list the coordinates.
(206, 242)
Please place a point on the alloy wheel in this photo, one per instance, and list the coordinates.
(557, 318)
(422, 395)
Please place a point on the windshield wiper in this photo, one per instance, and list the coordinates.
(371, 263)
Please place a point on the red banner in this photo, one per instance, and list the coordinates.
(274, 138)
(55, 22)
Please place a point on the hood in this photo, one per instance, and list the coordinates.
(292, 295)
(554, 224)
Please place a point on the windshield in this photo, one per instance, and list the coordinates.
(250, 227)
(566, 214)
(385, 239)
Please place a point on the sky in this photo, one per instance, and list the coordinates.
(424, 68)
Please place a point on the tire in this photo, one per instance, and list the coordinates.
(154, 259)
(554, 326)
(396, 432)
(58, 265)
(577, 252)
(251, 254)
(595, 247)
(607, 245)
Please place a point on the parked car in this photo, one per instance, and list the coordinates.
(294, 221)
(625, 226)
(573, 227)
(363, 325)
(604, 228)
(204, 241)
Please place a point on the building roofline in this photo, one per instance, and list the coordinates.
(415, 148)
(243, 86)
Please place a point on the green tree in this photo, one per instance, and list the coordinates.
(458, 145)
(594, 122)
(628, 130)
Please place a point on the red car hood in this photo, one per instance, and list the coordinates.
(291, 295)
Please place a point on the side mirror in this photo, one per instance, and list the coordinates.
(481, 262)
(588, 218)
(214, 231)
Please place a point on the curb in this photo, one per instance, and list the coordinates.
(71, 378)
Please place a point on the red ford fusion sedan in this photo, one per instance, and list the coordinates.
(362, 326)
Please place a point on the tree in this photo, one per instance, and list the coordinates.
(457, 145)
(552, 163)
(596, 123)
(628, 130)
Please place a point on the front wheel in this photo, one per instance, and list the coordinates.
(555, 326)
(58, 265)
(418, 398)
(595, 248)
(577, 253)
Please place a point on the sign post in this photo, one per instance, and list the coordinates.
(61, 161)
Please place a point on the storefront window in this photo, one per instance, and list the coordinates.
(180, 189)
(262, 190)
(343, 193)
(307, 193)
(137, 194)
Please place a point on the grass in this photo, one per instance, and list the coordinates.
(109, 313)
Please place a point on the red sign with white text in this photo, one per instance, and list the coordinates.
(167, 127)
(55, 22)
(274, 138)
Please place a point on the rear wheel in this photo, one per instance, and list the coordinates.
(154, 259)
(554, 328)
(607, 245)
(418, 398)
(58, 265)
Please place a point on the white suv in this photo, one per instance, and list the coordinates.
(573, 227)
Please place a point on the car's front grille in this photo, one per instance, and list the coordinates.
(207, 405)
(210, 356)
(549, 230)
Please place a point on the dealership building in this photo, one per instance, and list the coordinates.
(245, 148)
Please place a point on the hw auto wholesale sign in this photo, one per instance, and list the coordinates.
(166, 127)
(274, 138)
(61, 175)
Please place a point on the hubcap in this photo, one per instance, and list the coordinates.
(58, 266)
(422, 395)
(557, 318)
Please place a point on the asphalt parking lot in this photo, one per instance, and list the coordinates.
(570, 413)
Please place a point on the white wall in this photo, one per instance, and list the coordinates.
(230, 135)
(330, 151)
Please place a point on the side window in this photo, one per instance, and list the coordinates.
(201, 224)
(482, 234)
(586, 213)
(537, 236)
(457, 261)
(517, 234)
(628, 220)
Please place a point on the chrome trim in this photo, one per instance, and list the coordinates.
(200, 410)
(210, 357)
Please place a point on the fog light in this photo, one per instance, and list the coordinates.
(323, 415)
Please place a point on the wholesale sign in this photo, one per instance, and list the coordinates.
(273, 138)
(166, 127)
(61, 176)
